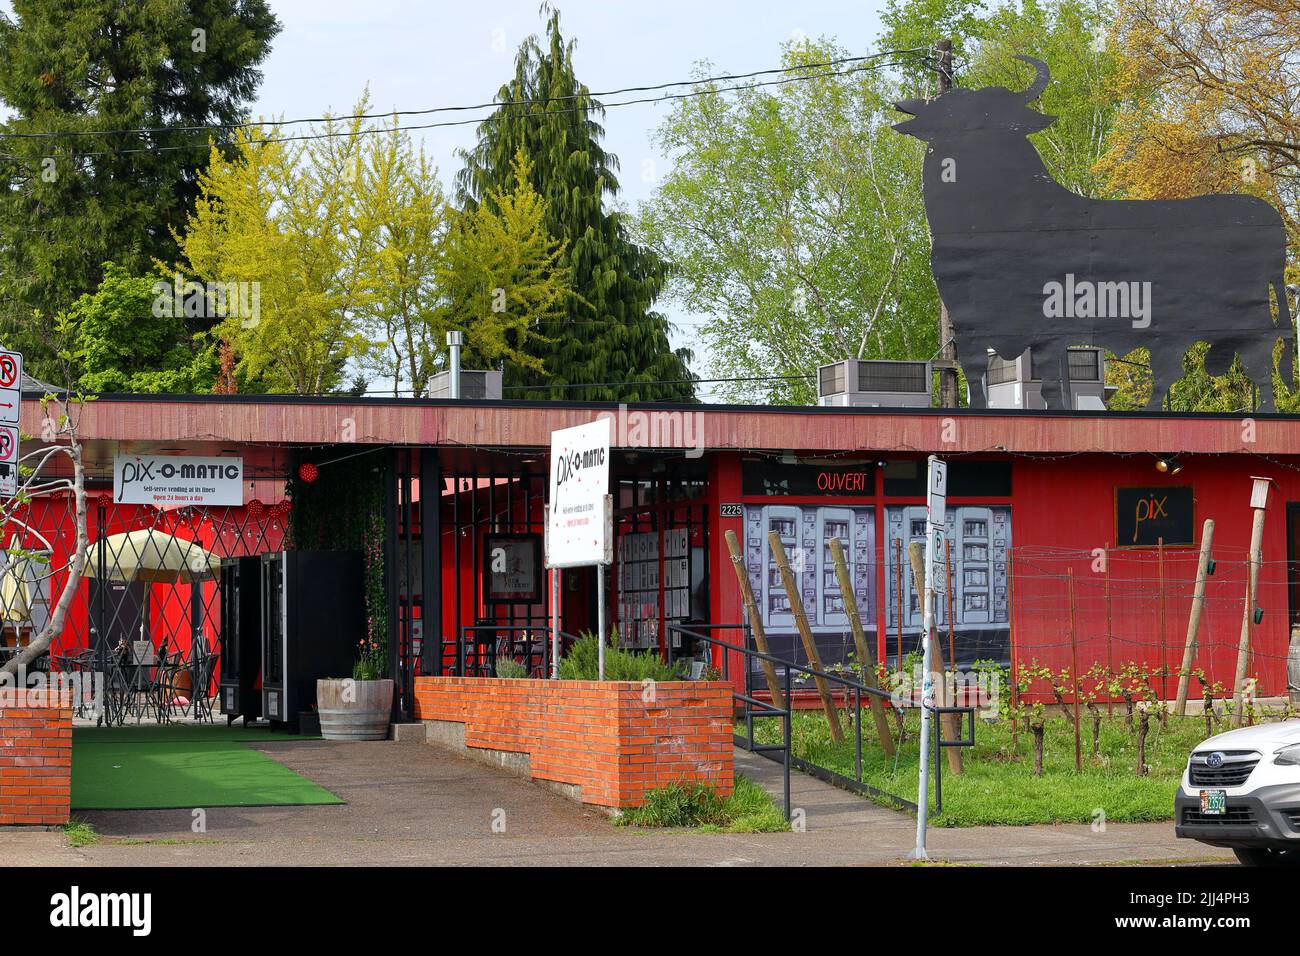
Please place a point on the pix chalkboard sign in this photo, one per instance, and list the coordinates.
(1146, 516)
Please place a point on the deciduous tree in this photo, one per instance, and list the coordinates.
(98, 160)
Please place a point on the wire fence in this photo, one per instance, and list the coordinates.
(1106, 613)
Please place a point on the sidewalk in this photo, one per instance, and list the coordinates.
(417, 804)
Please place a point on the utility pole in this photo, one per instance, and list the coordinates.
(947, 364)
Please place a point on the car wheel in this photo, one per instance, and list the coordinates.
(1263, 856)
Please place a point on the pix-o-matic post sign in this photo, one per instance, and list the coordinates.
(178, 480)
(579, 516)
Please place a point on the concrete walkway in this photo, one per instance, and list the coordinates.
(884, 835)
(418, 804)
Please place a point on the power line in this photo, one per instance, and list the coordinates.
(469, 122)
(673, 381)
(494, 104)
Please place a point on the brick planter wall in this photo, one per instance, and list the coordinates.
(608, 739)
(35, 756)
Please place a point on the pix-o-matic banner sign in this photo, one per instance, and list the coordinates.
(1021, 262)
(579, 483)
(178, 480)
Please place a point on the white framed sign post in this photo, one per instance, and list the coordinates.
(579, 519)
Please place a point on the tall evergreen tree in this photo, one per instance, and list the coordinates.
(91, 71)
(608, 338)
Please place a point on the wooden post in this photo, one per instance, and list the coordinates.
(950, 723)
(1164, 638)
(898, 594)
(1194, 618)
(947, 564)
(755, 619)
(1259, 502)
(1011, 635)
(947, 343)
(805, 633)
(1110, 658)
(865, 657)
(1074, 665)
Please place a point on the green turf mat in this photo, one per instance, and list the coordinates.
(151, 733)
(154, 768)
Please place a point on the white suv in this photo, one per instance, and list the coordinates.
(1242, 790)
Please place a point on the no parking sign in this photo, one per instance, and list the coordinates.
(8, 460)
(11, 386)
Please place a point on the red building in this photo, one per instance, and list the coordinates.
(1064, 536)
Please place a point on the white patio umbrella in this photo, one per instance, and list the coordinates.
(15, 592)
(152, 555)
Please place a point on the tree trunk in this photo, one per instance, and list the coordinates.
(1038, 749)
(54, 626)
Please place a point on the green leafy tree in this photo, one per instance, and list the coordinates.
(504, 276)
(288, 216)
(608, 332)
(127, 340)
(401, 203)
(794, 220)
(72, 201)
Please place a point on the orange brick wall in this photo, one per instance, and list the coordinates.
(614, 739)
(35, 756)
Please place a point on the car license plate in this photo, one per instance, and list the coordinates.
(1214, 802)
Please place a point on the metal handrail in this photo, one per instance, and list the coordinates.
(854, 784)
(751, 707)
(759, 655)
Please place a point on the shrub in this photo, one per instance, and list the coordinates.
(749, 809)
(582, 663)
(509, 667)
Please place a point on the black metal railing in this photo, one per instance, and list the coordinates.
(748, 702)
(478, 647)
(750, 706)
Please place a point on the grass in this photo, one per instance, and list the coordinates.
(749, 809)
(80, 833)
(999, 786)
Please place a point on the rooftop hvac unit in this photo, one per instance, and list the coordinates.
(474, 385)
(879, 383)
(1018, 382)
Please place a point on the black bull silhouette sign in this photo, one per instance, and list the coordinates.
(1023, 263)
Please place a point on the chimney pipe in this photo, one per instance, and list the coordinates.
(454, 342)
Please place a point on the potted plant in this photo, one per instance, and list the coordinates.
(357, 707)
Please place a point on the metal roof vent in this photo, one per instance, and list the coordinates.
(1018, 382)
(475, 385)
(878, 383)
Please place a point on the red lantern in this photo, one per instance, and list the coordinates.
(256, 509)
(308, 472)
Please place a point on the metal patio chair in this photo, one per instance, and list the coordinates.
(202, 668)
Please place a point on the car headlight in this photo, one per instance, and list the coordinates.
(1289, 755)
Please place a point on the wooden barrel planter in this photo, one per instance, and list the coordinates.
(354, 709)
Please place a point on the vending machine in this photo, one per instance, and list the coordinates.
(241, 637)
(313, 619)
(979, 542)
(806, 532)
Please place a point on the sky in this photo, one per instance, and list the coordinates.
(417, 55)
